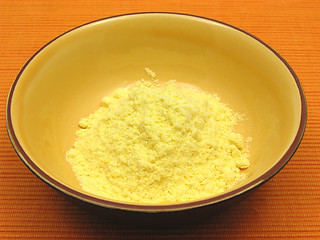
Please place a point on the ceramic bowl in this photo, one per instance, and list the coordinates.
(67, 78)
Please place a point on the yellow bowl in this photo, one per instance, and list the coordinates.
(67, 78)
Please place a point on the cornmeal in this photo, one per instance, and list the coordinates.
(154, 144)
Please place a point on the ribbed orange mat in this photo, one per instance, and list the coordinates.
(286, 207)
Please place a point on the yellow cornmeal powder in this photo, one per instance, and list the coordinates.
(150, 144)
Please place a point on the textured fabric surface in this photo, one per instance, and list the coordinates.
(286, 207)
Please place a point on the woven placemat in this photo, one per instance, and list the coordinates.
(286, 207)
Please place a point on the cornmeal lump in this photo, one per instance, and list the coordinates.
(153, 144)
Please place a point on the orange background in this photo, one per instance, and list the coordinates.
(286, 207)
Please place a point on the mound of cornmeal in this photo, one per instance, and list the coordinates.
(150, 144)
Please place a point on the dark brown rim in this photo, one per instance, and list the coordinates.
(157, 208)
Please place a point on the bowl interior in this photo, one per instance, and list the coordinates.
(67, 79)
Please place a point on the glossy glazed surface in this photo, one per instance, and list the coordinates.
(67, 79)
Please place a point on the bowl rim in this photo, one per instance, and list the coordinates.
(95, 200)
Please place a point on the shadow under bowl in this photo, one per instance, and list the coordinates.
(66, 79)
